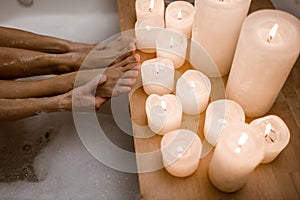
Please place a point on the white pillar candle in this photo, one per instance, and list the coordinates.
(193, 88)
(144, 7)
(263, 60)
(158, 76)
(164, 113)
(217, 26)
(181, 152)
(172, 45)
(147, 29)
(276, 133)
(180, 17)
(238, 152)
(219, 114)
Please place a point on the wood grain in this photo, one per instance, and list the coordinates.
(278, 180)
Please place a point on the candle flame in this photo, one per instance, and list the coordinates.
(179, 14)
(163, 105)
(156, 69)
(151, 7)
(171, 41)
(242, 140)
(268, 129)
(179, 151)
(193, 85)
(222, 121)
(272, 32)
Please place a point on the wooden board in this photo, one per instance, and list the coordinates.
(278, 180)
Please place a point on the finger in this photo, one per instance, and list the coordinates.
(132, 66)
(131, 74)
(100, 47)
(120, 90)
(130, 59)
(99, 101)
(127, 82)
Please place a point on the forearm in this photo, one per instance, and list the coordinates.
(12, 109)
(18, 63)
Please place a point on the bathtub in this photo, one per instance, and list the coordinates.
(42, 157)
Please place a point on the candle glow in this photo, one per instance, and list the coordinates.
(163, 105)
(242, 140)
(179, 15)
(193, 86)
(272, 33)
(151, 5)
(268, 131)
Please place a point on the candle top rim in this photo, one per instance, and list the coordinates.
(184, 6)
(232, 132)
(166, 98)
(170, 137)
(141, 4)
(289, 26)
(204, 78)
(224, 4)
(226, 103)
(285, 132)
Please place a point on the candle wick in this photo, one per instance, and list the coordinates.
(269, 39)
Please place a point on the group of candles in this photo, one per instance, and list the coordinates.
(260, 50)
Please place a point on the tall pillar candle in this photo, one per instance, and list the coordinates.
(147, 29)
(267, 49)
(180, 17)
(276, 133)
(181, 151)
(238, 152)
(216, 27)
(144, 7)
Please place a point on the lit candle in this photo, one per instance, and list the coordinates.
(217, 27)
(164, 113)
(147, 29)
(193, 88)
(268, 47)
(172, 45)
(180, 17)
(181, 151)
(158, 76)
(276, 133)
(144, 7)
(238, 152)
(221, 113)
